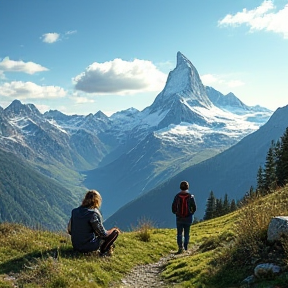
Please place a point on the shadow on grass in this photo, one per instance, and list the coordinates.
(18, 264)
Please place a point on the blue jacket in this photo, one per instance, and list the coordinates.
(86, 228)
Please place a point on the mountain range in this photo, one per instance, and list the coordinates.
(233, 172)
(181, 128)
(128, 154)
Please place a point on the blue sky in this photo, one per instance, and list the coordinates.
(80, 57)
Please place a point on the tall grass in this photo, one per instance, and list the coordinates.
(229, 247)
(250, 245)
(144, 229)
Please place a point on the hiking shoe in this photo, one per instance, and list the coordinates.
(109, 252)
(180, 251)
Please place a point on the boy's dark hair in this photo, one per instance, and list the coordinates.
(184, 185)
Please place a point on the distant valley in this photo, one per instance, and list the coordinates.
(131, 153)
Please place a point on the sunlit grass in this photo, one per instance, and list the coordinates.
(43, 259)
(229, 245)
(216, 257)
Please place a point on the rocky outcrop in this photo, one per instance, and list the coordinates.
(278, 228)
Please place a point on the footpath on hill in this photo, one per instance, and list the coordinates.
(149, 275)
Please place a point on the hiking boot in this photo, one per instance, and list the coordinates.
(180, 250)
(109, 252)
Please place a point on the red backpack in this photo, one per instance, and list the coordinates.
(181, 205)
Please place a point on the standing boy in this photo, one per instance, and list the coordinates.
(184, 206)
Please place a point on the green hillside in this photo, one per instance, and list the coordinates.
(223, 252)
(30, 198)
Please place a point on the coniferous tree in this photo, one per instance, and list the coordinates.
(282, 160)
(226, 205)
(260, 181)
(252, 193)
(219, 207)
(210, 207)
(270, 181)
(233, 206)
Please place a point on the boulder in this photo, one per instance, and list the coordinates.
(278, 227)
(266, 271)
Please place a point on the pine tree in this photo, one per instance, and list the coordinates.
(210, 207)
(270, 180)
(226, 205)
(219, 207)
(233, 205)
(260, 181)
(282, 160)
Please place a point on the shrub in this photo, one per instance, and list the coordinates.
(144, 228)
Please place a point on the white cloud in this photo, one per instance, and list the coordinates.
(8, 65)
(261, 18)
(70, 32)
(28, 90)
(235, 83)
(42, 108)
(82, 100)
(50, 37)
(210, 80)
(2, 76)
(120, 77)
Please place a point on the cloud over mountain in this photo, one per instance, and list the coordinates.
(30, 90)
(120, 77)
(211, 79)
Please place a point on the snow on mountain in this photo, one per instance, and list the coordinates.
(233, 172)
(132, 150)
(182, 127)
(55, 140)
(184, 84)
(232, 104)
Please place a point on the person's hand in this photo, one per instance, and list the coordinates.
(117, 229)
(111, 230)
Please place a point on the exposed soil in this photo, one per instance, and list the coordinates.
(149, 275)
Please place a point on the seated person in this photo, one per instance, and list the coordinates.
(86, 226)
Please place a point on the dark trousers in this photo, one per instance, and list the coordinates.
(108, 241)
(183, 227)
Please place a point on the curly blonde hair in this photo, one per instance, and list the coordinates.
(92, 199)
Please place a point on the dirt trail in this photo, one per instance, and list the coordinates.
(149, 275)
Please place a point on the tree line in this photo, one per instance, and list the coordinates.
(272, 175)
(216, 207)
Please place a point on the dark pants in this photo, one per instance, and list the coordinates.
(183, 227)
(89, 247)
(108, 241)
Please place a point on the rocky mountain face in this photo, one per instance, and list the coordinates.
(131, 152)
(231, 103)
(233, 172)
(181, 128)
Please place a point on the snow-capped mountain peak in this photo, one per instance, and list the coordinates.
(183, 85)
(185, 82)
(16, 108)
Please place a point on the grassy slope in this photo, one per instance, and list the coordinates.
(34, 258)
